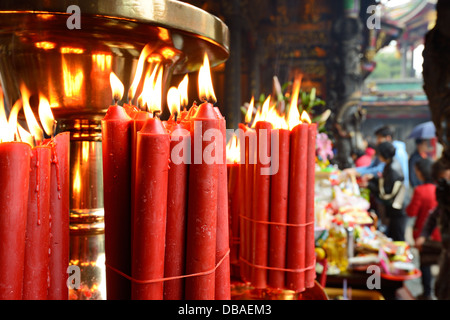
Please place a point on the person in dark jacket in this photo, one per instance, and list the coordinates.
(390, 189)
(418, 154)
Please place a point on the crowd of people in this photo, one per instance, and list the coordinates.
(402, 187)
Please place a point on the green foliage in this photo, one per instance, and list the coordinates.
(389, 66)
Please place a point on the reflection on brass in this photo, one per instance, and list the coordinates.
(71, 67)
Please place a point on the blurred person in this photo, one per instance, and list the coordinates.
(390, 189)
(363, 158)
(384, 134)
(421, 152)
(439, 217)
(423, 201)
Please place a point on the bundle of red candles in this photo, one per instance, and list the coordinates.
(34, 205)
(272, 195)
(166, 209)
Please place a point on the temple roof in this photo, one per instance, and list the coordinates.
(414, 18)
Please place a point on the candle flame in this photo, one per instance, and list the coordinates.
(173, 100)
(25, 136)
(305, 117)
(233, 150)
(147, 89)
(294, 115)
(139, 70)
(265, 109)
(12, 122)
(155, 102)
(46, 115)
(183, 90)
(206, 90)
(4, 132)
(33, 125)
(277, 120)
(116, 87)
(249, 114)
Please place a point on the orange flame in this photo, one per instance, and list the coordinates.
(154, 104)
(25, 136)
(305, 117)
(12, 122)
(294, 115)
(116, 87)
(233, 150)
(33, 125)
(148, 87)
(139, 69)
(183, 90)
(46, 115)
(173, 100)
(4, 128)
(206, 90)
(249, 114)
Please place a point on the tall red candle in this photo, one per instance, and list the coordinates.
(310, 259)
(59, 217)
(149, 225)
(247, 138)
(116, 132)
(297, 208)
(202, 207)
(14, 183)
(222, 274)
(234, 189)
(175, 252)
(37, 243)
(261, 200)
(278, 208)
(139, 119)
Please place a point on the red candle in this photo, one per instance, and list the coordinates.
(59, 216)
(261, 198)
(131, 110)
(116, 131)
(310, 260)
(247, 138)
(202, 207)
(175, 252)
(234, 204)
(278, 208)
(14, 183)
(37, 244)
(234, 189)
(223, 290)
(297, 208)
(152, 164)
(139, 119)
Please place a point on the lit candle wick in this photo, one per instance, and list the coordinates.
(54, 128)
